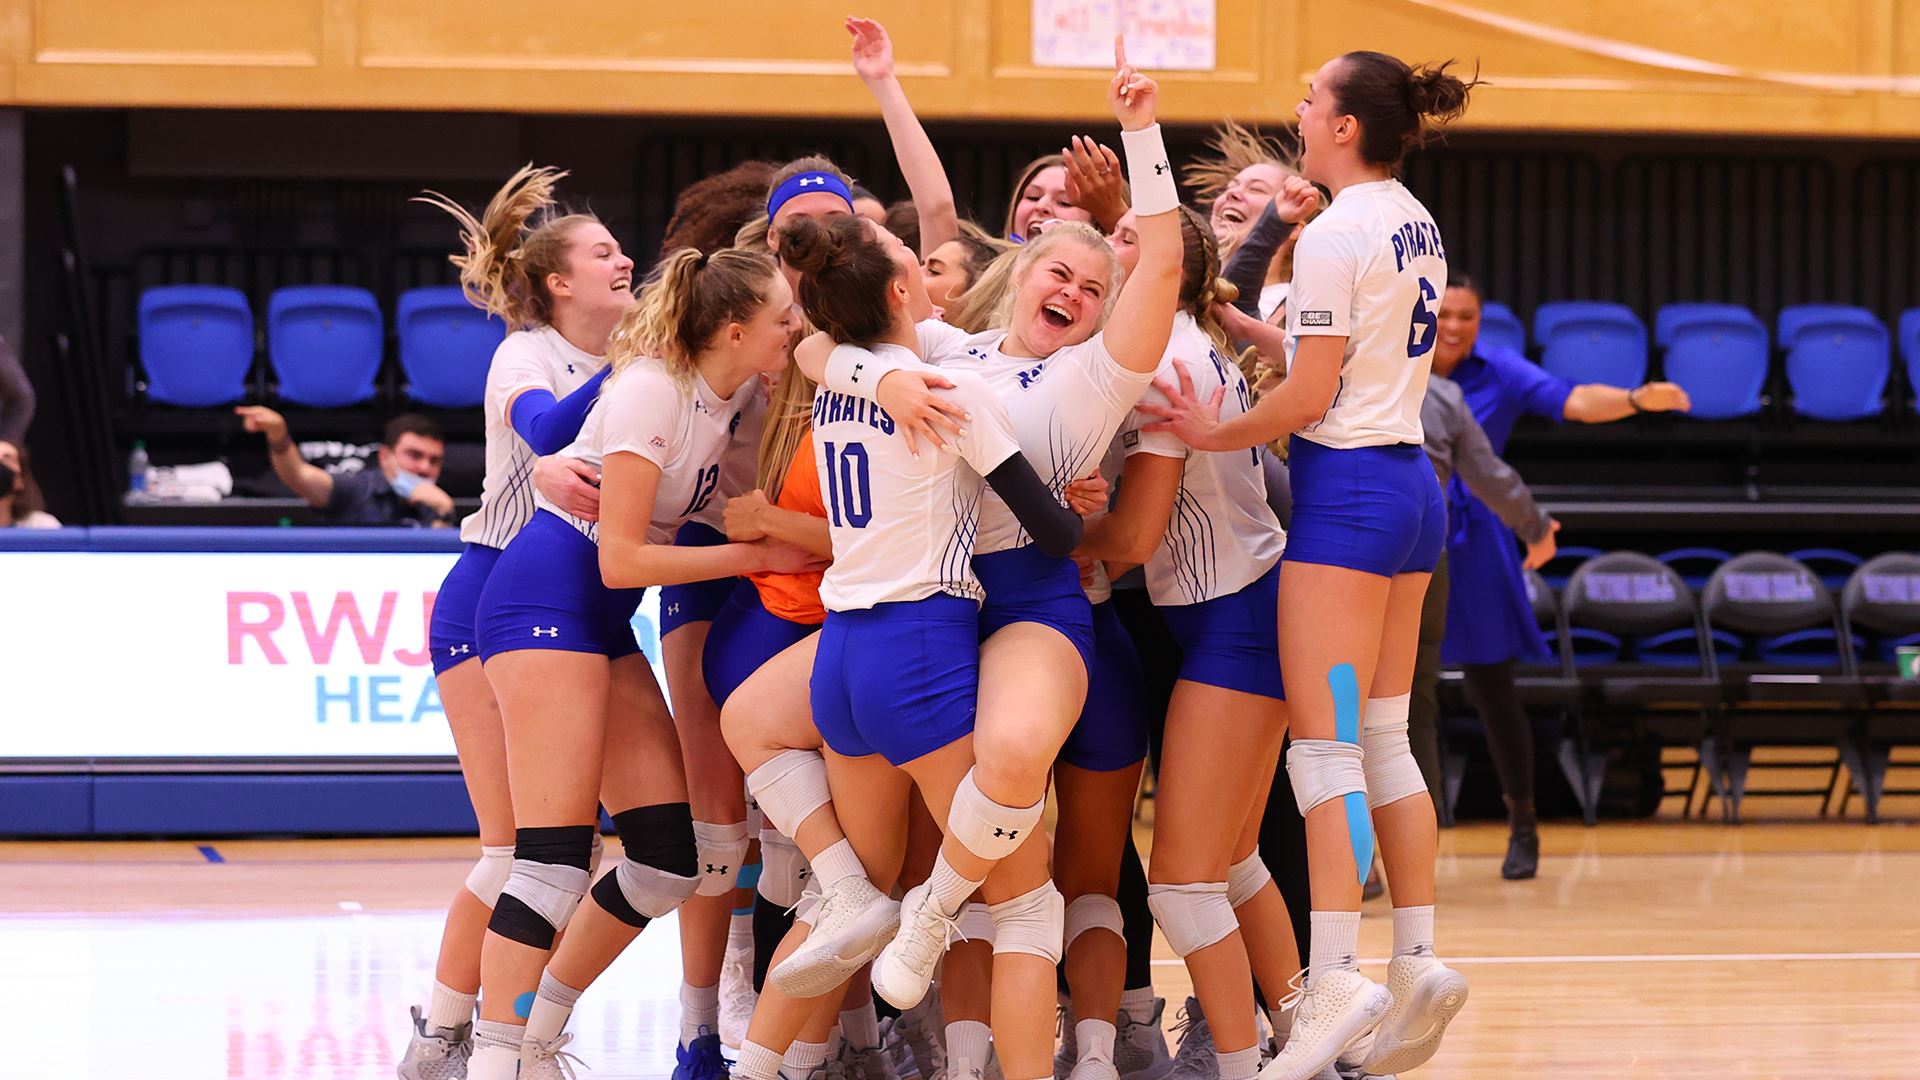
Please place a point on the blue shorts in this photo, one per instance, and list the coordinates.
(1112, 730)
(1025, 584)
(897, 679)
(695, 601)
(1233, 641)
(450, 635)
(545, 593)
(1376, 509)
(745, 635)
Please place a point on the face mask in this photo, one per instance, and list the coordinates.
(405, 482)
(7, 479)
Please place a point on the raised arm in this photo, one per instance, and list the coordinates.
(310, 482)
(1247, 269)
(919, 162)
(1142, 319)
(1598, 403)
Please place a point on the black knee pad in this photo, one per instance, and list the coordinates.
(660, 836)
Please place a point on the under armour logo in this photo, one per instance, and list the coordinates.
(1160, 169)
(549, 631)
(712, 869)
(804, 873)
(673, 608)
(1013, 835)
(810, 181)
(857, 369)
(459, 650)
(569, 369)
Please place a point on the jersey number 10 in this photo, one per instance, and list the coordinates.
(849, 483)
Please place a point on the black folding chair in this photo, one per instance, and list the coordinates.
(1881, 601)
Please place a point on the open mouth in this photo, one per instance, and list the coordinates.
(1233, 215)
(623, 285)
(1056, 316)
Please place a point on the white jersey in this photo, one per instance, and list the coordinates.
(740, 469)
(683, 427)
(538, 359)
(1096, 583)
(1371, 269)
(1222, 536)
(903, 526)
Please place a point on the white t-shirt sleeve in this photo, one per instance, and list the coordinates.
(645, 414)
(941, 343)
(857, 371)
(1326, 267)
(517, 365)
(989, 440)
(1119, 386)
(1158, 443)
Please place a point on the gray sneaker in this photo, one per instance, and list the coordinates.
(1068, 1055)
(548, 1061)
(437, 1054)
(893, 1040)
(925, 1036)
(870, 1064)
(1140, 1050)
(1194, 1060)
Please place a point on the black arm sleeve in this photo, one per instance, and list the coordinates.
(1248, 267)
(1054, 527)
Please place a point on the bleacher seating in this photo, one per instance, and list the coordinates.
(1882, 604)
(325, 343)
(1589, 341)
(1834, 566)
(196, 344)
(1564, 562)
(1909, 334)
(1718, 352)
(446, 345)
(1501, 328)
(1694, 564)
(1837, 360)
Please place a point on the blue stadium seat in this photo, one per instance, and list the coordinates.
(1910, 348)
(1837, 360)
(324, 342)
(446, 345)
(1501, 328)
(1681, 648)
(1718, 352)
(196, 344)
(1833, 566)
(1694, 564)
(1591, 341)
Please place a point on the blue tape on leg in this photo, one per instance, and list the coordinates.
(1345, 687)
(749, 876)
(523, 1005)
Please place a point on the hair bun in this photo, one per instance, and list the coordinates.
(1433, 92)
(810, 245)
(1224, 291)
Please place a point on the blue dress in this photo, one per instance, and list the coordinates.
(1489, 620)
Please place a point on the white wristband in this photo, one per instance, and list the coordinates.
(1154, 190)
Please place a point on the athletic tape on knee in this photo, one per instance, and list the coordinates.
(1192, 916)
(1094, 912)
(490, 874)
(548, 878)
(790, 787)
(1033, 923)
(1246, 878)
(976, 923)
(1325, 773)
(660, 869)
(987, 828)
(783, 870)
(599, 852)
(1392, 773)
(722, 848)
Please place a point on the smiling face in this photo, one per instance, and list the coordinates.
(598, 282)
(1045, 198)
(1246, 195)
(1061, 297)
(1459, 326)
(1324, 133)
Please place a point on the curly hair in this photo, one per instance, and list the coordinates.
(710, 211)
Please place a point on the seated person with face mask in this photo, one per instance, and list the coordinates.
(401, 491)
(19, 499)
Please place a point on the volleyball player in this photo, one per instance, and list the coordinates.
(561, 281)
(1368, 527)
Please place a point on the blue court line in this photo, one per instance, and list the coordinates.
(1345, 687)
(207, 852)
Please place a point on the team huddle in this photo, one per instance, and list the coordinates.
(926, 518)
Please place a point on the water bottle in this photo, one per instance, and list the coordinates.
(137, 468)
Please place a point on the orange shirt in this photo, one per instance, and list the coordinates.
(796, 597)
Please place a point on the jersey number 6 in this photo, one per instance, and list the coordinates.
(849, 485)
(1426, 325)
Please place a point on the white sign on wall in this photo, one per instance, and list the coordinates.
(1164, 35)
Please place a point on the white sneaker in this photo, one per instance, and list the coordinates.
(1091, 1069)
(1140, 1048)
(903, 970)
(437, 1054)
(737, 998)
(1330, 1012)
(547, 1061)
(1427, 994)
(1194, 1059)
(852, 923)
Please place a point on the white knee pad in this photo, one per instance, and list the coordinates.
(1094, 912)
(790, 787)
(649, 890)
(1246, 878)
(976, 923)
(548, 890)
(1324, 769)
(1192, 916)
(722, 849)
(1033, 923)
(783, 870)
(490, 874)
(1392, 773)
(985, 827)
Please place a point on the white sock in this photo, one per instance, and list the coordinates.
(1413, 930)
(756, 1062)
(1335, 942)
(1094, 1040)
(1239, 1065)
(699, 1011)
(1282, 1021)
(496, 1050)
(967, 1045)
(802, 1058)
(552, 1005)
(740, 930)
(949, 889)
(449, 1008)
(861, 1027)
(835, 863)
(1138, 1004)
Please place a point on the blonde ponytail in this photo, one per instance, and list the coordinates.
(690, 298)
(505, 265)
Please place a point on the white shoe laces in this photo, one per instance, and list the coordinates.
(551, 1051)
(920, 950)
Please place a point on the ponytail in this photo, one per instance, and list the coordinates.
(1398, 106)
(505, 265)
(691, 298)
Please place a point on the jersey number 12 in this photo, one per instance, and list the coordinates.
(849, 482)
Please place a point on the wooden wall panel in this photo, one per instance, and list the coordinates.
(235, 33)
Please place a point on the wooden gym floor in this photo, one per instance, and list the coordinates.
(1654, 949)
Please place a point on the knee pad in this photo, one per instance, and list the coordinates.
(976, 923)
(1322, 770)
(783, 870)
(1094, 912)
(721, 848)
(985, 827)
(1032, 923)
(1192, 916)
(490, 874)
(548, 877)
(790, 787)
(1246, 878)
(1392, 773)
(660, 869)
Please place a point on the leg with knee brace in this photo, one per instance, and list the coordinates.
(987, 828)
(1192, 916)
(1392, 772)
(1032, 923)
(660, 868)
(783, 870)
(490, 874)
(721, 849)
(1246, 878)
(549, 875)
(1325, 769)
(1094, 912)
(790, 787)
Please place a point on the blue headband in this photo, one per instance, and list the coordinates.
(807, 183)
